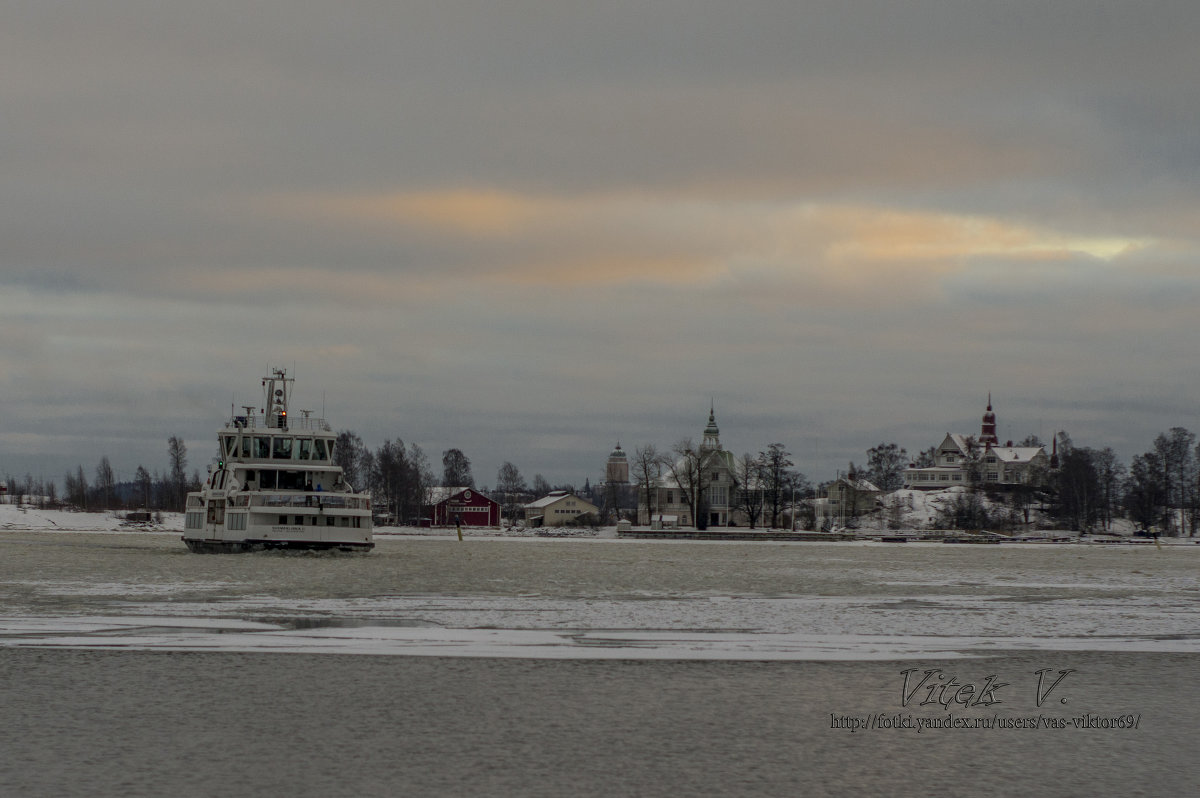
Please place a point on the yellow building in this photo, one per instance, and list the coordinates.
(557, 509)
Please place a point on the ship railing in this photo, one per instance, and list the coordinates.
(313, 499)
(303, 423)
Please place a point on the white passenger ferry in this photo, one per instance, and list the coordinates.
(275, 485)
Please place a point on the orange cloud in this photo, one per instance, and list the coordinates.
(880, 235)
(475, 212)
(692, 240)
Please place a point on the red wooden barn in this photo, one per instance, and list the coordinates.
(451, 506)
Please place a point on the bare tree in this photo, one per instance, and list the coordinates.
(105, 483)
(15, 488)
(797, 487)
(1181, 467)
(1112, 474)
(511, 486)
(456, 470)
(1145, 495)
(885, 466)
(77, 489)
(689, 471)
(1077, 503)
(926, 457)
(422, 474)
(177, 455)
(142, 485)
(390, 475)
(352, 455)
(973, 462)
(774, 470)
(646, 469)
(749, 488)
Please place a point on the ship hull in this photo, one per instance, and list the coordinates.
(218, 546)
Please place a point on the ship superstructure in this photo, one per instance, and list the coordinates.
(275, 484)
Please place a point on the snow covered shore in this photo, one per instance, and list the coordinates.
(23, 517)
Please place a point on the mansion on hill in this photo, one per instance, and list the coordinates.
(958, 456)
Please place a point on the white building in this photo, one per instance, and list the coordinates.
(959, 457)
(700, 482)
(558, 508)
(845, 499)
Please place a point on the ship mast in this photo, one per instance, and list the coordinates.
(277, 391)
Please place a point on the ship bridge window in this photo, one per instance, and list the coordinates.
(230, 448)
(283, 448)
(262, 446)
(305, 448)
(246, 441)
(320, 449)
(291, 480)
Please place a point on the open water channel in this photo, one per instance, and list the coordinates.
(129, 666)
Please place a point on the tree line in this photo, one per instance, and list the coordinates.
(166, 490)
(1159, 490)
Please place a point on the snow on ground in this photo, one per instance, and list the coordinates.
(231, 635)
(24, 517)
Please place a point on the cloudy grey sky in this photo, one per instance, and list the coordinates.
(531, 229)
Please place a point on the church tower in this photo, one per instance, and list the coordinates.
(616, 472)
(987, 432)
(712, 435)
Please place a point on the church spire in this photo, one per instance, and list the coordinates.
(987, 431)
(712, 435)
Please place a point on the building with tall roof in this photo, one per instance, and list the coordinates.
(697, 488)
(967, 460)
